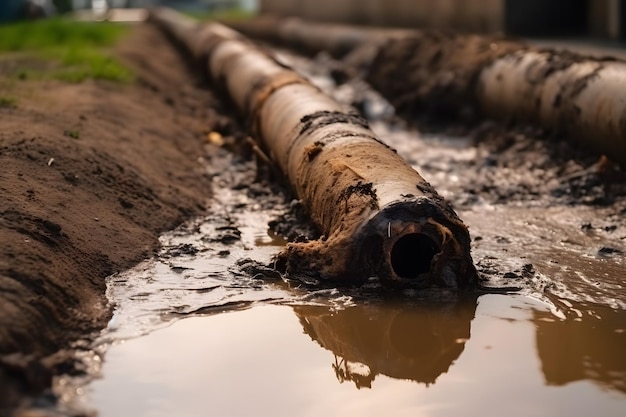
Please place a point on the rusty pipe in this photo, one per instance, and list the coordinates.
(378, 215)
(582, 97)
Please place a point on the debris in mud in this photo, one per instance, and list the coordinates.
(256, 270)
(180, 250)
(225, 234)
(607, 251)
(493, 277)
(295, 225)
(523, 163)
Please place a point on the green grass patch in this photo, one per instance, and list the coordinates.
(72, 134)
(7, 102)
(81, 49)
(224, 14)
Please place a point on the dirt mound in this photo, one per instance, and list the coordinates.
(91, 174)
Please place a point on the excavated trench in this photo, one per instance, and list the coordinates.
(210, 324)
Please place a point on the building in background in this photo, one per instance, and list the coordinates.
(17, 9)
(598, 18)
(177, 4)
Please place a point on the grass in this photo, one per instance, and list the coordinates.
(81, 49)
(7, 102)
(72, 134)
(224, 14)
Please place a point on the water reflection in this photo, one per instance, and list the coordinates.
(415, 342)
(590, 346)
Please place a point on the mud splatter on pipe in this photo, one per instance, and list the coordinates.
(585, 98)
(378, 215)
(581, 97)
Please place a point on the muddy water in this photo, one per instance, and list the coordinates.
(203, 330)
(367, 360)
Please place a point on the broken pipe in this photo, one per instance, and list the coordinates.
(379, 217)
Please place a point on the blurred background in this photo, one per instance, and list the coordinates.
(603, 19)
(11, 10)
(595, 18)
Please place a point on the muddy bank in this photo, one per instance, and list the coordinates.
(92, 174)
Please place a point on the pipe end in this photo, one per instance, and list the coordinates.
(413, 244)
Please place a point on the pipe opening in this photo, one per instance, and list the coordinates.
(411, 255)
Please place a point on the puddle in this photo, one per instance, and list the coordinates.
(368, 360)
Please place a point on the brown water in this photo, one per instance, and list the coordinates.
(499, 354)
(196, 333)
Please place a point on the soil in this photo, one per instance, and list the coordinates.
(91, 174)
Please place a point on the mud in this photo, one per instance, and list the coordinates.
(78, 207)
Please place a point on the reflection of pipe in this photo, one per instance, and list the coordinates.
(589, 347)
(379, 216)
(407, 341)
(432, 71)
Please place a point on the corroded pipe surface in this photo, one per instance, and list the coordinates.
(584, 98)
(378, 215)
(580, 97)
